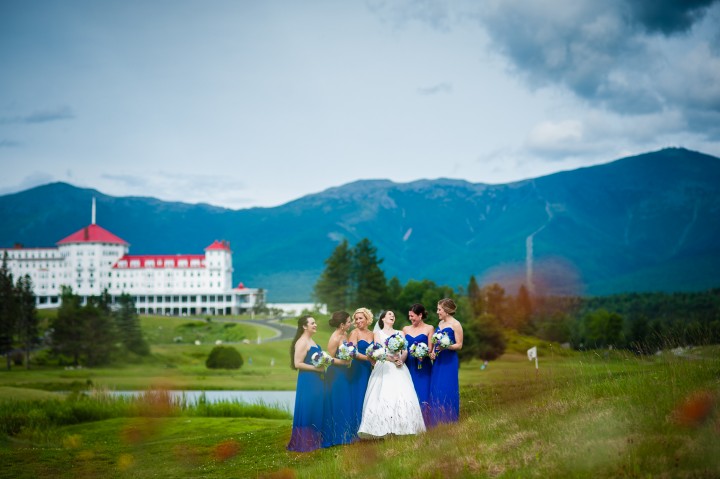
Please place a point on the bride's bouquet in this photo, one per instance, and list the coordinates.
(376, 352)
(347, 352)
(321, 358)
(419, 351)
(396, 343)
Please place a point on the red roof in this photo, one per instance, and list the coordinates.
(92, 234)
(223, 245)
(161, 261)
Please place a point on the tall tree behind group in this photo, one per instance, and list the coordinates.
(27, 320)
(353, 276)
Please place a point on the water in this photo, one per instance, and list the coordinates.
(284, 400)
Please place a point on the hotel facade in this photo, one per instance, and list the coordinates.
(93, 259)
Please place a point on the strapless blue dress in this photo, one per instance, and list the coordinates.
(420, 376)
(444, 385)
(359, 376)
(308, 417)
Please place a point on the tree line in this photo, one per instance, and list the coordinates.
(641, 322)
(92, 334)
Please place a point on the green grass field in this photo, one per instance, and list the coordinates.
(591, 414)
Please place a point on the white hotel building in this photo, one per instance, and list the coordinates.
(93, 259)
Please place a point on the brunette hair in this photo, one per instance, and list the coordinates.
(302, 322)
(448, 305)
(419, 309)
(338, 318)
(381, 323)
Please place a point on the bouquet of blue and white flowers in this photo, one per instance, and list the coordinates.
(396, 343)
(419, 351)
(321, 358)
(376, 352)
(441, 340)
(346, 351)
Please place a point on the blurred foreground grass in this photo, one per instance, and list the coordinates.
(593, 414)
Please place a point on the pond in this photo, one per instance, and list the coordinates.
(284, 400)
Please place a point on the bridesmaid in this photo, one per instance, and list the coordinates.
(420, 332)
(361, 368)
(308, 417)
(338, 422)
(444, 385)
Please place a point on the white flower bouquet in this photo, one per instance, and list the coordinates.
(419, 351)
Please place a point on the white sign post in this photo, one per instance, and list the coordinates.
(532, 354)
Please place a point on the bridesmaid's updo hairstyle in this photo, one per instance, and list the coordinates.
(419, 309)
(366, 313)
(448, 305)
(338, 318)
(381, 323)
(302, 322)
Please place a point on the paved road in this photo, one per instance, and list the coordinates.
(282, 331)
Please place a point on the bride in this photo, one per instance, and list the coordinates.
(391, 405)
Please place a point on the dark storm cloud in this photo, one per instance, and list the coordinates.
(667, 16)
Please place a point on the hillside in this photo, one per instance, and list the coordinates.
(644, 223)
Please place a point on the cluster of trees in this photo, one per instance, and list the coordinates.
(18, 316)
(353, 277)
(95, 334)
(642, 322)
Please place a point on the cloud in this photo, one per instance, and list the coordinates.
(42, 116)
(627, 57)
(187, 188)
(443, 87)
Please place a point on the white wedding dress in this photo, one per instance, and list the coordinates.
(391, 405)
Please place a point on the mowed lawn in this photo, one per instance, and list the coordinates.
(591, 414)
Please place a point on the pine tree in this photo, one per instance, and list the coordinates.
(27, 327)
(334, 287)
(370, 283)
(475, 296)
(128, 326)
(8, 309)
(99, 344)
(69, 328)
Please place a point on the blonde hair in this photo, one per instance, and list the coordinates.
(366, 313)
(448, 305)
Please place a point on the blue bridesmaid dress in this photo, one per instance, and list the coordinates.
(339, 419)
(444, 385)
(360, 374)
(308, 417)
(420, 377)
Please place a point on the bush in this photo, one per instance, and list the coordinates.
(224, 357)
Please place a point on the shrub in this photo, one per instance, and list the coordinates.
(224, 357)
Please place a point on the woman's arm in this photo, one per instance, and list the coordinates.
(333, 345)
(457, 328)
(301, 350)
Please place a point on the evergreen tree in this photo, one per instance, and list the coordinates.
(99, 341)
(475, 297)
(370, 283)
(128, 326)
(69, 327)
(27, 327)
(395, 290)
(8, 309)
(496, 303)
(334, 287)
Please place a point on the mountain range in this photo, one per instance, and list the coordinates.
(644, 223)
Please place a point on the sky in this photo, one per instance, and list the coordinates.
(256, 103)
